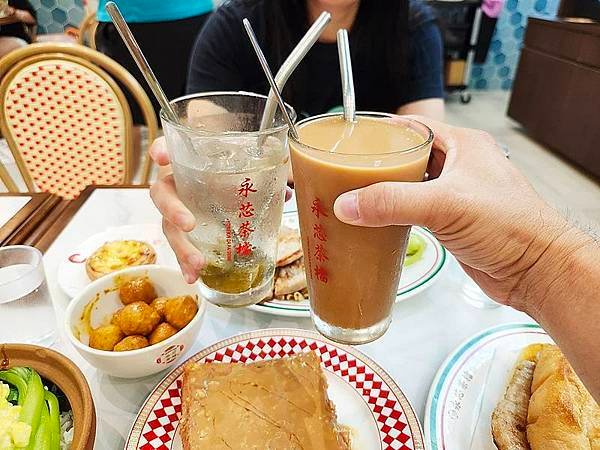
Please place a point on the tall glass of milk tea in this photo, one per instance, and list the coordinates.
(353, 272)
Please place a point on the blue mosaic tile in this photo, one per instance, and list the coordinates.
(519, 33)
(59, 15)
(499, 58)
(540, 5)
(44, 19)
(75, 15)
(481, 83)
(55, 15)
(516, 18)
(499, 69)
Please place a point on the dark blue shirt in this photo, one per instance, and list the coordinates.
(223, 59)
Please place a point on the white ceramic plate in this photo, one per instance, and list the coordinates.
(469, 384)
(72, 277)
(415, 278)
(366, 398)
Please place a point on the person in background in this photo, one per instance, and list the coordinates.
(491, 11)
(396, 50)
(21, 31)
(22, 28)
(165, 32)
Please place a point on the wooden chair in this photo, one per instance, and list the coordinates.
(66, 121)
(87, 30)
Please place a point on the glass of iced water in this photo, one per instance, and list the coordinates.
(232, 177)
(26, 311)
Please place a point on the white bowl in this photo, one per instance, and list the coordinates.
(134, 363)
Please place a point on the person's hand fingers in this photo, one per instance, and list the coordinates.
(435, 164)
(290, 177)
(158, 152)
(391, 203)
(442, 132)
(165, 198)
(189, 258)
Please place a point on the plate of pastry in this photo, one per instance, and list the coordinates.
(114, 249)
(509, 388)
(424, 261)
(277, 388)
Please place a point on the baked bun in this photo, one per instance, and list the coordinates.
(562, 413)
(117, 255)
(289, 246)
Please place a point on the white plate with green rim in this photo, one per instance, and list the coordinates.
(415, 278)
(469, 384)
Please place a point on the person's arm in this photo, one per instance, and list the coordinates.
(515, 246)
(24, 16)
(561, 292)
(424, 90)
(431, 107)
(24, 12)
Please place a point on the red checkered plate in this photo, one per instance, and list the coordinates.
(366, 398)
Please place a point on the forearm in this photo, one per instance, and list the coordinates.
(563, 294)
(25, 17)
(431, 107)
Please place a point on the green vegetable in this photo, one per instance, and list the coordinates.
(63, 401)
(13, 395)
(43, 435)
(414, 250)
(30, 397)
(54, 422)
(13, 377)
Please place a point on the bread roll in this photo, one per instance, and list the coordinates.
(562, 413)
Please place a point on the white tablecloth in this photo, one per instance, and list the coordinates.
(425, 328)
(10, 205)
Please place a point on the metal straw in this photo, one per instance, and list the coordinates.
(290, 64)
(140, 59)
(265, 67)
(347, 78)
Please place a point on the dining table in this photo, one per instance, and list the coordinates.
(23, 216)
(424, 330)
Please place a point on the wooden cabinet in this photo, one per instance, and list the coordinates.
(556, 92)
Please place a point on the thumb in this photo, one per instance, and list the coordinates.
(158, 151)
(390, 203)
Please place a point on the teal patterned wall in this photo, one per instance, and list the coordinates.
(54, 15)
(499, 69)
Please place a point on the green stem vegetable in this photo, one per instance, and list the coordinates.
(43, 436)
(14, 378)
(54, 412)
(31, 398)
(32, 407)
